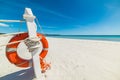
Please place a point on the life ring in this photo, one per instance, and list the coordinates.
(11, 51)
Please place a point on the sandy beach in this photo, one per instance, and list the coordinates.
(71, 59)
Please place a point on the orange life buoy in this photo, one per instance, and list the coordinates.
(11, 51)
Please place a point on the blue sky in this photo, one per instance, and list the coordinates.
(81, 17)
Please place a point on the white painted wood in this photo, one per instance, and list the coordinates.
(37, 69)
(12, 21)
(29, 17)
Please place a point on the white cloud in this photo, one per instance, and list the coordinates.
(3, 25)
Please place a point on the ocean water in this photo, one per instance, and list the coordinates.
(90, 37)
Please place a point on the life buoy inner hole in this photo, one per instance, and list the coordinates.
(23, 52)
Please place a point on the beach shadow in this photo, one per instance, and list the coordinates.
(27, 74)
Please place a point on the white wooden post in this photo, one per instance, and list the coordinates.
(32, 31)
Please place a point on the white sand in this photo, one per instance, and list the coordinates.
(71, 60)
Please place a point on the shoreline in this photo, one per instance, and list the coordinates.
(106, 38)
(86, 39)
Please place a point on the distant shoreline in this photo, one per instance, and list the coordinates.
(85, 37)
(89, 37)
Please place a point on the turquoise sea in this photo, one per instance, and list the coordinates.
(90, 37)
